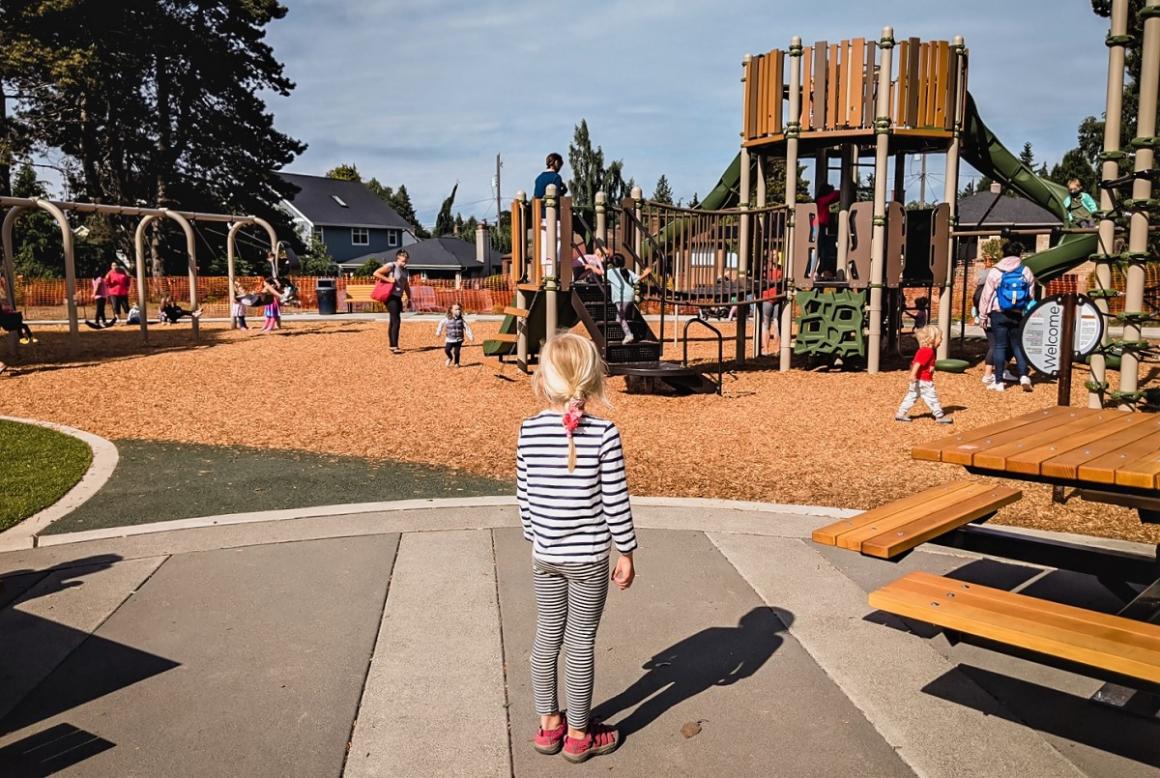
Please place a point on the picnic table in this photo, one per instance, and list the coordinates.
(1109, 455)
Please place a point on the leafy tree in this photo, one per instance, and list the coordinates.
(317, 260)
(37, 248)
(171, 115)
(992, 249)
(663, 193)
(368, 268)
(444, 223)
(384, 193)
(344, 172)
(1075, 165)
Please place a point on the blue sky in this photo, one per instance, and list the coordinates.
(428, 93)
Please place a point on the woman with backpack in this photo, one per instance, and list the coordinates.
(1007, 294)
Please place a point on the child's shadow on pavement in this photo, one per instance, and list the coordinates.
(716, 656)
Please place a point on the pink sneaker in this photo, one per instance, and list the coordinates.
(600, 740)
(550, 741)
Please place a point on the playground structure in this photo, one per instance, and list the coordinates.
(849, 101)
(16, 206)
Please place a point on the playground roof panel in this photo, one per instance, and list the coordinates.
(1007, 212)
(319, 201)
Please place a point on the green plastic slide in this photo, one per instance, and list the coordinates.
(986, 154)
(566, 319)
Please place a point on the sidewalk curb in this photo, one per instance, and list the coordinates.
(105, 457)
(322, 511)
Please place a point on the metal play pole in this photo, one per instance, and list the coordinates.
(70, 270)
(9, 267)
(1144, 142)
(551, 283)
(519, 266)
(792, 131)
(848, 158)
(1117, 40)
(191, 262)
(758, 331)
(743, 249)
(951, 195)
(602, 219)
(231, 253)
(139, 245)
(878, 236)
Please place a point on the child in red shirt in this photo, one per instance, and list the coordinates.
(922, 377)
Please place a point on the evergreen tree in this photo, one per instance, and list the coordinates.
(401, 202)
(1075, 165)
(37, 246)
(444, 223)
(1027, 156)
(172, 114)
(967, 190)
(694, 201)
(775, 183)
(663, 193)
(344, 172)
(589, 173)
(384, 193)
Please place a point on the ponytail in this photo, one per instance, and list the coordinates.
(572, 415)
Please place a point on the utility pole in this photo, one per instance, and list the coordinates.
(498, 205)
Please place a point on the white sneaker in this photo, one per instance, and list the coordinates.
(997, 386)
(1025, 382)
(627, 338)
(447, 363)
(1009, 376)
(988, 379)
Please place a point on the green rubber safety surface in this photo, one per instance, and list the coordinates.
(37, 467)
(160, 481)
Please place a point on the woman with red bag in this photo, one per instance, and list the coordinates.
(392, 281)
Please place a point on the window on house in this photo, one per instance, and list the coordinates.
(339, 200)
(392, 238)
(318, 235)
(360, 236)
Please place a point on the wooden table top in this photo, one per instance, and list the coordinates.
(1087, 446)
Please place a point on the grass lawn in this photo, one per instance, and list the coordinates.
(157, 481)
(37, 467)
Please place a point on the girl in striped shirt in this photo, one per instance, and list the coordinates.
(573, 499)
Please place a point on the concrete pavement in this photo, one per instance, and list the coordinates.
(396, 643)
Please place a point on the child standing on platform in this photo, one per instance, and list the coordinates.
(573, 502)
(453, 328)
(922, 377)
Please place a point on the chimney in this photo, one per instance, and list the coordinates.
(481, 246)
(996, 187)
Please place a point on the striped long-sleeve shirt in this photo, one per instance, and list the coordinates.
(572, 516)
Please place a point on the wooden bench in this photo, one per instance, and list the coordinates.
(891, 529)
(1112, 643)
(359, 293)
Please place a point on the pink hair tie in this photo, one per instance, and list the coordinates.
(573, 412)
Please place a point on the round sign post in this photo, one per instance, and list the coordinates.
(1056, 331)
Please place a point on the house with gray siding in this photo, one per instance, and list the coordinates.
(350, 219)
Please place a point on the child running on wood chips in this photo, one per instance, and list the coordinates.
(454, 327)
(573, 501)
(922, 377)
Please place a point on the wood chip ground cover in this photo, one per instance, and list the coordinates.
(816, 438)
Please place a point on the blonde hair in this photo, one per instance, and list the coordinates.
(930, 335)
(571, 373)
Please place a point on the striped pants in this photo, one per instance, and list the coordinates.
(569, 602)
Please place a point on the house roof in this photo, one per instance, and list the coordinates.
(433, 254)
(1007, 212)
(316, 201)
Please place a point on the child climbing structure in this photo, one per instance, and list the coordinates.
(885, 100)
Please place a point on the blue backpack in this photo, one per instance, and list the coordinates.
(1014, 292)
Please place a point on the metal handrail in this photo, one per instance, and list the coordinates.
(720, 350)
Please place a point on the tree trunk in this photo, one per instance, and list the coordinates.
(161, 160)
(5, 147)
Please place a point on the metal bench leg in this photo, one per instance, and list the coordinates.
(1146, 607)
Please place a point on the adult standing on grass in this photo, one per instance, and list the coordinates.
(117, 281)
(1007, 295)
(396, 273)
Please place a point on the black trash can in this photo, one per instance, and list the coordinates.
(327, 297)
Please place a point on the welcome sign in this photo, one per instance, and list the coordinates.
(1041, 333)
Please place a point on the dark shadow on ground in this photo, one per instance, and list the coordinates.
(1059, 713)
(14, 584)
(157, 481)
(50, 751)
(716, 656)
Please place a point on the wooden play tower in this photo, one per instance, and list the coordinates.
(845, 101)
